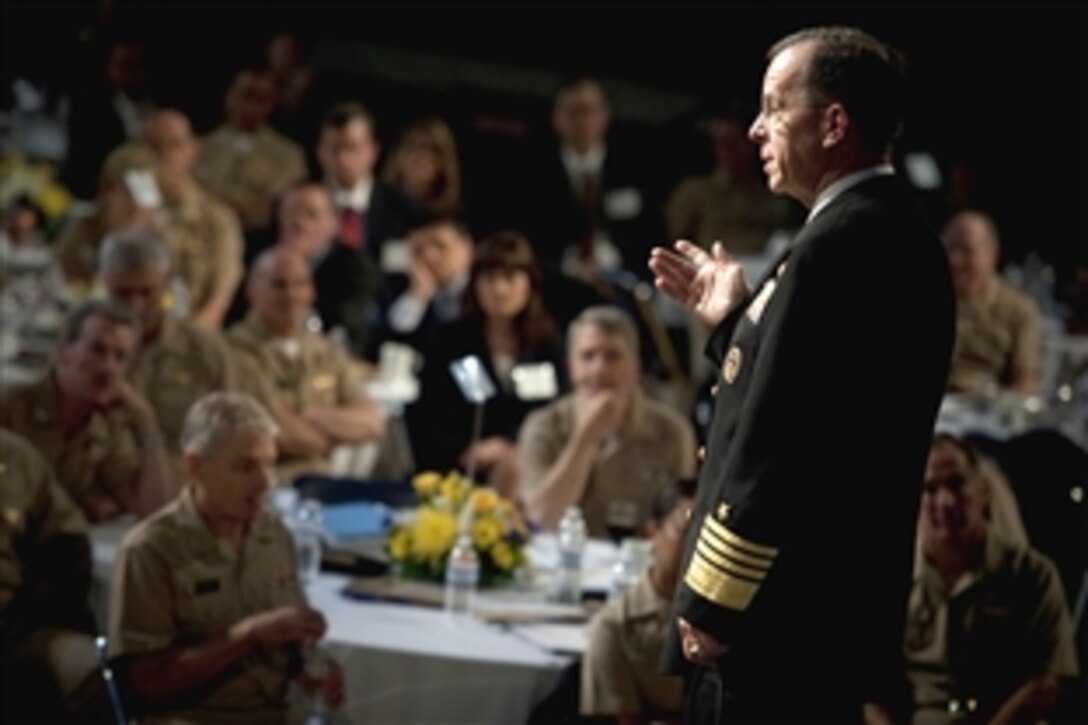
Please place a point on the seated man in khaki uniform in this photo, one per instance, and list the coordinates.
(176, 362)
(604, 447)
(206, 602)
(988, 634)
(206, 246)
(245, 162)
(998, 329)
(45, 574)
(100, 434)
(130, 193)
(318, 397)
(620, 674)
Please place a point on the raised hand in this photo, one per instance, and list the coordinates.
(709, 285)
(599, 413)
(421, 282)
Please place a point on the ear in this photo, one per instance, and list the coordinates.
(835, 124)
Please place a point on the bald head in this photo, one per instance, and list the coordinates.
(281, 290)
(169, 133)
(973, 246)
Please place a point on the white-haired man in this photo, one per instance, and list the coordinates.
(206, 601)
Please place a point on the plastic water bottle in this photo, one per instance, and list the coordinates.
(462, 576)
(317, 667)
(309, 525)
(572, 544)
(634, 560)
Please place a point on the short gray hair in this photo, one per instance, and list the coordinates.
(132, 249)
(608, 318)
(115, 312)
(216, 414)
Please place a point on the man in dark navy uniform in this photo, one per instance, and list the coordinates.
(798, 557)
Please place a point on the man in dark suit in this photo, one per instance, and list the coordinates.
(370, 212)
(105, 114)
(798, 554)
(593, 210)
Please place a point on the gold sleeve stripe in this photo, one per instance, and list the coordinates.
(729, 537)
(720, 545)
(725, 564)
(721, 589)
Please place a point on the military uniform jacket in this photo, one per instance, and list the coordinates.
(799, 549)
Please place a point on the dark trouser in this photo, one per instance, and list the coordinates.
(711, 699)
(703, 698)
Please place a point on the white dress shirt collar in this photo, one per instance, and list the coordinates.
(357, 197)
(849, 181)
(578, 165)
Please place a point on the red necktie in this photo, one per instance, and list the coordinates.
(352, 232)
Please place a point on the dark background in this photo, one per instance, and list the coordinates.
(999, 88)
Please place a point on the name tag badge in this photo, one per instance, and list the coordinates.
(396, 256)
(625, 203)
(206, 586)
(536, 381)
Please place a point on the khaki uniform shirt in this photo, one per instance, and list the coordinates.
(34, 509)
(619, 669)
(970, 646)
(76, 251)
(103, 456)
(206, 247)
(654, 447)
(319, 376)
(998, 338)
(179, 367)
(174, 582)
(712, 208)
(249, 171)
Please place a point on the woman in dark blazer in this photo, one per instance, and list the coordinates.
(507, 327)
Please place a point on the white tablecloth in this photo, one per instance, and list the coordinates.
(409, 664)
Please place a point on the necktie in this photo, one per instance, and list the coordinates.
(590, 200)
(352, 231)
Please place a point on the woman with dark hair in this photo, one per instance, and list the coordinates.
(424, 165)
(507, 328)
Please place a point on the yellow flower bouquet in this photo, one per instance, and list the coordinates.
(36, 182)
(421, 542)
